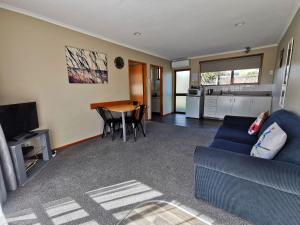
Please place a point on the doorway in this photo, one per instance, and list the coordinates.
(156, 89)
(182, 84)
(138, 82)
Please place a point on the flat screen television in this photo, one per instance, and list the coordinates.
(18, 119)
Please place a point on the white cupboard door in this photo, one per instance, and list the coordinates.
(241, 106)
(260, 104)
(156, 104)
(210, 106)
(224, 106)
(193, 107)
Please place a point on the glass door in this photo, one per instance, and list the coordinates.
(182, 84)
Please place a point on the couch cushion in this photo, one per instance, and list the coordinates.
(290, 152)
(236, 135)
(269, 143)
(231, 146)
(290, 123)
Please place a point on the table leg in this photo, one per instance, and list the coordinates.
(124, 126)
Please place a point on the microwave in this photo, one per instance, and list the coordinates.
(195, 92)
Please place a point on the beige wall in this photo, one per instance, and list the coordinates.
(268, 63)
(33, 68)
(293, 89)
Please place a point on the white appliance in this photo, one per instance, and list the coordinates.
(194, 103)
(195, 92)
(181, 63)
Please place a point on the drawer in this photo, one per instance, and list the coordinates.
(210, 115)
(210, 100)
(210, 109)
(210, 104)
(208, 97)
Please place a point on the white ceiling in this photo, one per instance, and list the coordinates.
(171, 29)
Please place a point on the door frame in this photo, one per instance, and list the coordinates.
(178, 70)
(161, 99)
(145, 83)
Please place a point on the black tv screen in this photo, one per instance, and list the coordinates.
(18, 119)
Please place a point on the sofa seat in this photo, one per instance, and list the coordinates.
(231, 146)
(262, 191)
(236, 135)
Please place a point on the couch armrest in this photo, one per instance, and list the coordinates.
(238, 121)
(275, 174)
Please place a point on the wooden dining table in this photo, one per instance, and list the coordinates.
(123, 109)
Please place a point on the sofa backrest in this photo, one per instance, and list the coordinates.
(290, 123)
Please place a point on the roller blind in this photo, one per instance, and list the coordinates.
(249, 62)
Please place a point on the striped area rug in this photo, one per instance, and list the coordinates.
(162, 213)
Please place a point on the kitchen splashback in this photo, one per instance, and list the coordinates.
(240, 88)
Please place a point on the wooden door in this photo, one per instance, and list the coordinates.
(136, 83)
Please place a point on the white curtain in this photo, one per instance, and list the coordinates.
(8, 180)
(3, 220)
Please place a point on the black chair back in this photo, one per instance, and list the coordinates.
(141, 112)
(105, 114)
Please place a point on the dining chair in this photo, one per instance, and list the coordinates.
(135, 121)
(109, 121)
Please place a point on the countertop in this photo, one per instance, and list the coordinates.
(244, 93)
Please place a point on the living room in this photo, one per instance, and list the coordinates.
(81, 142)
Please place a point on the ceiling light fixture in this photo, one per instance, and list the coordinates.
(240, 24)
(137, 34)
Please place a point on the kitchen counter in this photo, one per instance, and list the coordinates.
(236, 104)
(241, 95)
(244, 93)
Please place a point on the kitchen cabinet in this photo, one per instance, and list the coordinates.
(210, 106)
(156, 104)
(259, 105)
(220, 106)
(241, 106)
(224, 106)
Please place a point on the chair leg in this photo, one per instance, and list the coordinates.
(134, 130)
(104, 131)
(142, 129)
(112, 128)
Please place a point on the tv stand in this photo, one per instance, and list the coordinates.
(26, 164)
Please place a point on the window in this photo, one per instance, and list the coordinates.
(216, 78)
(239, 70)
(247, 76)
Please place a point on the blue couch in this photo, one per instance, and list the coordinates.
(264, 192)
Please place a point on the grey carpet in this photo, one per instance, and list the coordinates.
(163, 161)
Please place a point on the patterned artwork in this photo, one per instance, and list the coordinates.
(85, 66)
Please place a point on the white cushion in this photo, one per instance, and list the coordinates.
(269, 143)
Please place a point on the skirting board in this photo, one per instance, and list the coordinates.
(168, 114)
(62, 148)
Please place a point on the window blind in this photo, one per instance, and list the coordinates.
(249, 62)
